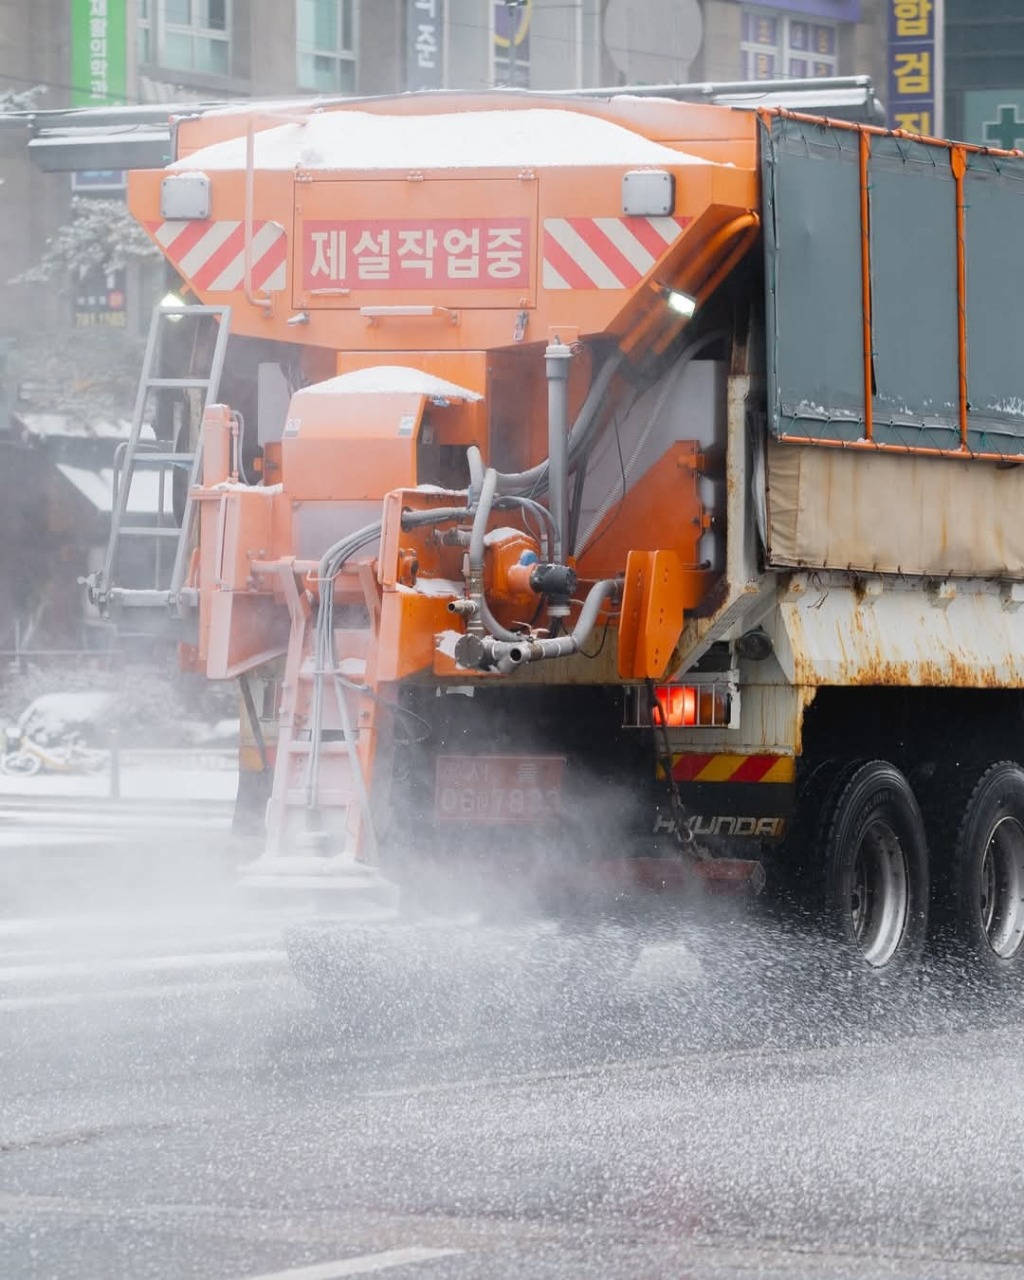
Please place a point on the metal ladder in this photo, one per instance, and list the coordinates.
(318, 816)
(135, 455)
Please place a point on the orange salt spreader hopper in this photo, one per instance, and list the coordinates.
(474, 310)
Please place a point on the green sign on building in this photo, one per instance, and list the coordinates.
(97, 52)
(995, 118)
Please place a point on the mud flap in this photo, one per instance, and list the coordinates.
(657, 590)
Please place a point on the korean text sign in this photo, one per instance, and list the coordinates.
(914, 71)
(424, 45)
(834, 10)
(97, 52)
(465, 253)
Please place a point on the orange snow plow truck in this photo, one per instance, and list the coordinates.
(601, 497)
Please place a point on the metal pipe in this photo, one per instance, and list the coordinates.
(507, 655)
(556, 361)
(250, 202)
(249, 220)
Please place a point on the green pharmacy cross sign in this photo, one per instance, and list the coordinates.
(994, 117)
(1007, 130)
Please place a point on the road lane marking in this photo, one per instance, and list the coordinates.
(139, 964)
(39, 839)
(124, 995)
(361, 1266)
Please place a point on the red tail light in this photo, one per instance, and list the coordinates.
(677, 704)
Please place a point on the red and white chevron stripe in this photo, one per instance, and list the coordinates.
(605, 253)
(211, 254)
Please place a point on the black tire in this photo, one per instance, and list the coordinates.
(874, 859)
(792, 889)
(978, 841)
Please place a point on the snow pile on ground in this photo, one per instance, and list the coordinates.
(54, 717)
(167, 785)
(223, 733)
(44, 425)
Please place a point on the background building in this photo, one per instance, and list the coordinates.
(612, 42)
(984, 65)
(112, 52)
(71, 343)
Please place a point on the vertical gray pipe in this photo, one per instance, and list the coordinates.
(556, 358)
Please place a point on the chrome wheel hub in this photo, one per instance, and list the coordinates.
(1001, 889)
(880, 894)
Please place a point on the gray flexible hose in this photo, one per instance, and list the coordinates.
(476, 559)
(534, 481)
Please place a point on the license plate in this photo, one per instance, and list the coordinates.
(498, 789)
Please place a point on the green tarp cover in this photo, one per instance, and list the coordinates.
(813, 262)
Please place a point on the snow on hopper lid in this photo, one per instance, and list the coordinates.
(535, 137)
(393, 379)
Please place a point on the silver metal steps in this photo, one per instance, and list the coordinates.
(107, 585)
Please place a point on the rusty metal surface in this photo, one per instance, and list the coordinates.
(881, 632)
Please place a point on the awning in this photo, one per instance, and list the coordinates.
(97, 486)
(65, 150)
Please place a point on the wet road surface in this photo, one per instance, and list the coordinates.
(174, 1105)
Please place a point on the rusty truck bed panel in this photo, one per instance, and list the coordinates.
(827, 632)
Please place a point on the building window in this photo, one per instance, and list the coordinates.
(781, 46)
(185, 35)
(144, 33)
(326, 47)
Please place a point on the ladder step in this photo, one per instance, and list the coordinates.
(141, 597)
(148, 531)
(160, 460)
(297, 797)
(163, 459)
(330, 748)
(178, 382)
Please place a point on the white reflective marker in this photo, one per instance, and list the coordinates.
(361, 1266)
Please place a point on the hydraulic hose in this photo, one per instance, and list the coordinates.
(434, 515)
(482, 621)
(344, 549)
(483, 512)
(535, 480)
(330, 563)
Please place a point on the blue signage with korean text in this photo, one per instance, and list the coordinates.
(915, 66)
(424, 45)
(512, 43)
(834, 10)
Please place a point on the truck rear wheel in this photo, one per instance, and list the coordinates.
(875, 860)
(980, 889)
